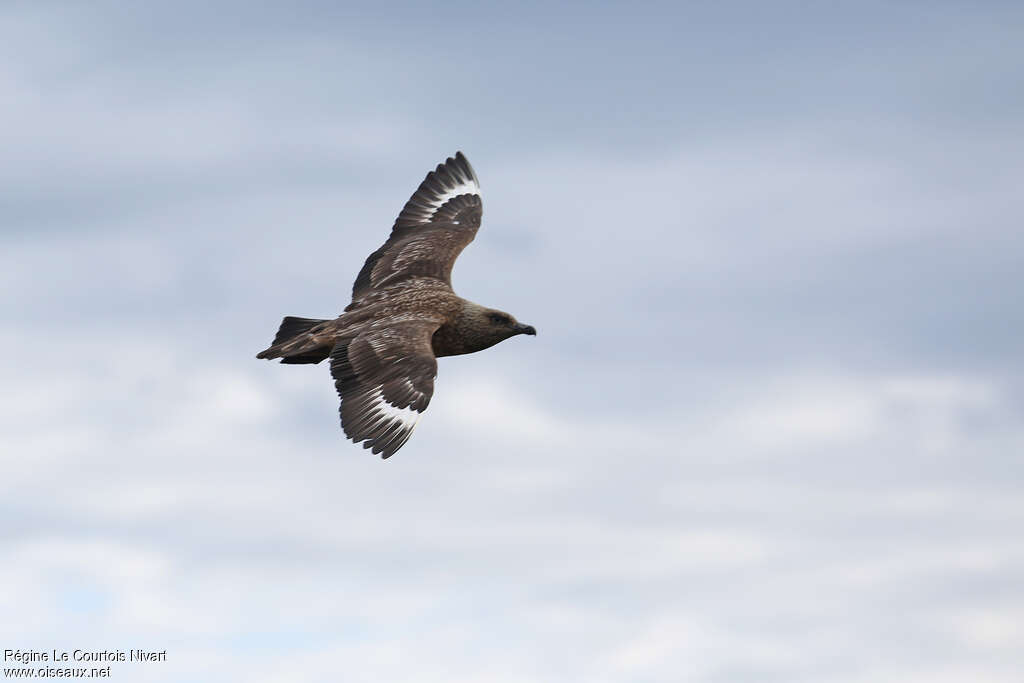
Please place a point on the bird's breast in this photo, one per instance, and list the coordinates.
(448, 342)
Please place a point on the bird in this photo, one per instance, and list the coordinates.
(404, 315)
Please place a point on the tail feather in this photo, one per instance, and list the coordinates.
(289, 345)
(312, 357)
(292, 327)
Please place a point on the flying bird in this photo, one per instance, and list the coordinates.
(404, 315)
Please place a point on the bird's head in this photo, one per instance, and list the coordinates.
(480, 327)
(503, 325)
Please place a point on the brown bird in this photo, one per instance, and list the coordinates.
(403, 316)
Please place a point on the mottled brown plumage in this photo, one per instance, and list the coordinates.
(403, 316)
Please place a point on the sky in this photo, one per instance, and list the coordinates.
(770, 428)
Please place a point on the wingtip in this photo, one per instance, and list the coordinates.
(461, 159)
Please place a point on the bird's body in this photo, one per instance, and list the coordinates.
(403, 316)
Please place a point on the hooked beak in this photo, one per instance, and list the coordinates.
(526, 329)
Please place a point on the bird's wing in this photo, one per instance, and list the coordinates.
(385, 378)
(437, 222)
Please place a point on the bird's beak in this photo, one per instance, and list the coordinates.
(526, 329)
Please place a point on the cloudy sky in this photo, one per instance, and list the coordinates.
(771, 428)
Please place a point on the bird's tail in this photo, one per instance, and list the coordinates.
(294, 343)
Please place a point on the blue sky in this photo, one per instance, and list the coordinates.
(770, 429)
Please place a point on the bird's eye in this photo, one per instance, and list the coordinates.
(499, 319)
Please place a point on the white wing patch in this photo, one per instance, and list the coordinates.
(392, 425)
(465, 187)
(379, 405)
(450, 180)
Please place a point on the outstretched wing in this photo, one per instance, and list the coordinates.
(437, 222)
(385, 378)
